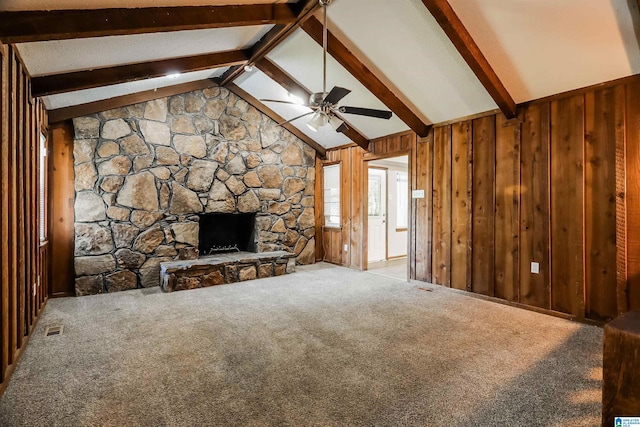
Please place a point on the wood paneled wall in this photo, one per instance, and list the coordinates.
(558, 186)
(23, 279)
(347, 244)
(62, 197)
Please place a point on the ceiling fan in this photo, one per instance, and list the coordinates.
(324, 105)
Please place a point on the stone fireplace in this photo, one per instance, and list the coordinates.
(223, 232)
(151, 178)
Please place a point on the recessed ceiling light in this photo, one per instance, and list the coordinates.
(248, 68)
(173, 75)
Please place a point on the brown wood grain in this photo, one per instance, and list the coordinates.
(319, 208)
(13, 211)
(422, 210)
(461, 194)
(87, 79)
(483, 234)
(346, 180)
(567, 196)
(357, 209)
(507, 212)
(621, 207)
(20, 200)
(442, 206)
(469, 50)
(633, 196)
(65, 113)
(5, 284)
(600, 202)
(621, 368)
(62, 198)
(41, 25)
(534, 206)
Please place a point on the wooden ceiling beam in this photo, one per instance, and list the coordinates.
(66, 113)
(78, 80)
(305, 8)
(469, 50)
(41, 25)
(277, 118)
(294, 87)
(353, 65)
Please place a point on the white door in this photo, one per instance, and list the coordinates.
(377, 215)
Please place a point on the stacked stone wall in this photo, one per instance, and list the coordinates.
(143, 173)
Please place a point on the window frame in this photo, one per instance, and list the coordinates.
(338, 224)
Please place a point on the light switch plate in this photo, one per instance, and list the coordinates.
(417, 194)
(346, 248)
(535, 268)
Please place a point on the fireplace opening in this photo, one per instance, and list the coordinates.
(224, 232)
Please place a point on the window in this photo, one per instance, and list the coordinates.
(331, 195)
(43, 187)
(402, 179)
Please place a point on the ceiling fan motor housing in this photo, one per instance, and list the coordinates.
(325, 2)
(315, 100)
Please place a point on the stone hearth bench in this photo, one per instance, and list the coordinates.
(225, 268)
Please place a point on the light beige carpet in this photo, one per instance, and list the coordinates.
(326, 346)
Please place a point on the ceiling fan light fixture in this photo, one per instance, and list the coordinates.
(248, 68)
(318, 120)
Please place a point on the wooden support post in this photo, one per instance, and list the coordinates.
(621, 368)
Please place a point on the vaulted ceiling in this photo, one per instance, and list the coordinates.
(428, 61)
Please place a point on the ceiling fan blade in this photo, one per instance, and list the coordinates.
(336, 94)
(283, 102)
(369, 112)
(295, 118)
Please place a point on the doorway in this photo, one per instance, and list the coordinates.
(388, 216)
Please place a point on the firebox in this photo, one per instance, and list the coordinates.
(226, 232)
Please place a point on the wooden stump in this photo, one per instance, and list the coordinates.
(621, 368)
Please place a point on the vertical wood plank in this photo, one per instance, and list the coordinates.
(22, 279)
(13, 211)
(421, 172)
(632, 296)
(345, 203)
(4, 213)
(507, 210)
(319, 208)
(461, 172)
(442, 206)
(534, 206)
(61, 202)
(484, 157)
(567, 139)
(357, 208)
(600, 202)
(621, 205)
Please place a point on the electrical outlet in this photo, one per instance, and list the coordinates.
(535, 268)
(346, 248)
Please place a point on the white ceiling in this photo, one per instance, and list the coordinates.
(537, 48)
(301, 57)
(403, 41)
(58, 56)
(544, 47)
